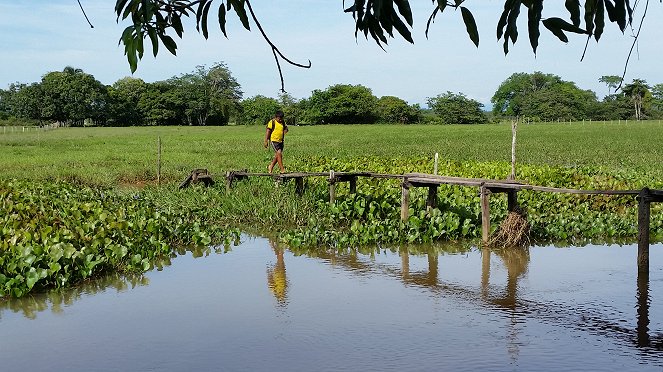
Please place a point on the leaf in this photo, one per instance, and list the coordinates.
(599, 20)
(405, 10)
(204, 20)
(470, 25)
(430, 20)
(564, 25)
(555, 30)
(590, 10)
(241, 12)
(153, 38)
(169, 43)
(533, 20)
(222, 20)
(573, 6)
(620, 14)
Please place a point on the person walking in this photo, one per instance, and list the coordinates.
(274, 134)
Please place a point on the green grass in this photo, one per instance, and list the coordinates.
(116, 156)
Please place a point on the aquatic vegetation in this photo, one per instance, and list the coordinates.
(57, 234)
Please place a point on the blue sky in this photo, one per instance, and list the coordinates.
(41, 36)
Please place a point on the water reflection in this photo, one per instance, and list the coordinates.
(491, 294)
(276, 278)
(56, 300)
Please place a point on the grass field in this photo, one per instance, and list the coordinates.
(115, 156)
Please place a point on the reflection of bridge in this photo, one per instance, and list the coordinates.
(516, 261)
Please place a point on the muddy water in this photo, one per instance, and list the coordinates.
(260, 308)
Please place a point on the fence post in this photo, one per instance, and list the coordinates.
(435, 167)
(431, 201)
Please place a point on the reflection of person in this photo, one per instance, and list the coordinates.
(276, 279)
(275, 133)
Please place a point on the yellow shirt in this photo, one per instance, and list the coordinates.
(277, 130)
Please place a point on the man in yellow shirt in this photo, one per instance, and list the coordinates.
(275, 133)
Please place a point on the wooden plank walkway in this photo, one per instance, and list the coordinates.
(486, 187)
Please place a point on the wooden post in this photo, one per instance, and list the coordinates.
(485, 214)
(512, 200)
(435, 167)
(644, 211)
(299, 185)
(159, 161)
(229, 181)
(353, 185)
(514, 129)
(405, 200)
(431, 201)
(332, 187)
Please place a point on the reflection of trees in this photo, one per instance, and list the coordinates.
(31, 305)
(276, 278)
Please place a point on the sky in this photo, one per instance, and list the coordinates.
(40, 36)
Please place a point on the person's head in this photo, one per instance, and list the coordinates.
(279, 115)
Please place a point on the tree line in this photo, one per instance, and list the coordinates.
(212, 96)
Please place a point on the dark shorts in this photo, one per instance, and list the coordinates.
(277, 146)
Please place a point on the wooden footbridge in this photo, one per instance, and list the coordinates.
(486, 187)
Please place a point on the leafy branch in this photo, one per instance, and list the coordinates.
(153, 19)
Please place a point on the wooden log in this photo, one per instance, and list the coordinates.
(431, 201)
(644, 211)
(405, 200)
(353, 185)
(485, 214)
(299, 185)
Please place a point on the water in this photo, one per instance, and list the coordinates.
(260, 308)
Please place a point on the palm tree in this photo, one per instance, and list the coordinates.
(636, 91)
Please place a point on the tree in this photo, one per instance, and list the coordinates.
(657, 98)
(257, 110)
(291, 107)
(611, 81)
(71, 96)
(542, 97)
(25, 101)
(509, 98)
(395, 110)
(209, 95)
(637, 91)
(154, 19)
(454, 108)
(341, 104)
(124, 96)
(159, 105)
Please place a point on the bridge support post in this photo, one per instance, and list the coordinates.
(405, 200)
(353, 185)
(512, 200)
(644, 210)
(485, 214)
(299, 185)
(431, 201)
(332, 187)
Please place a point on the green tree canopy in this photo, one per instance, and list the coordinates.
(341, 104)
(454, 108)
(72, 96)
(124, 96)
(395, 110)
(257, 110)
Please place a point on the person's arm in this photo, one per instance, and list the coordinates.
(268, 132)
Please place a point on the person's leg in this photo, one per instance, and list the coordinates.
(279, 159)
(273, 163)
